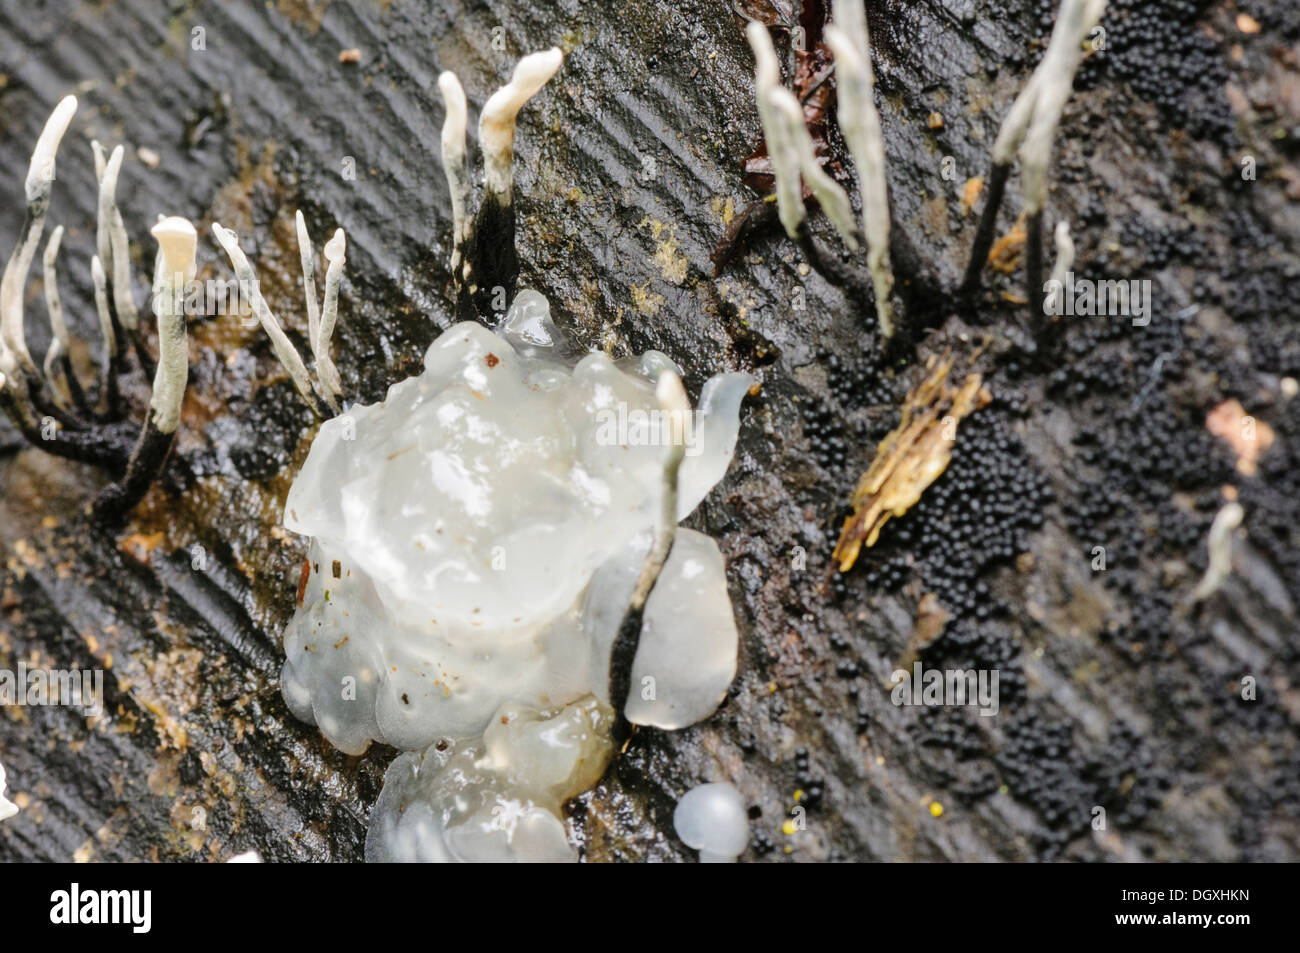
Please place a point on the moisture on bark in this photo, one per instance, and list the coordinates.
(1116, 692)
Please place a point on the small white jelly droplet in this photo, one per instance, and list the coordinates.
(712, 819)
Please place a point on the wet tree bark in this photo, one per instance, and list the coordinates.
(629, 170)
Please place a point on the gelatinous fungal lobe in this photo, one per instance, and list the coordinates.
(534, 475)
(7, 808)
(496, 580)
(49, 405)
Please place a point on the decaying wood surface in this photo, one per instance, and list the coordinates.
(630, 169)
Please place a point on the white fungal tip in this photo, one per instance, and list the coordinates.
(177, 239)
(336, 247)
(247, 857)
(1219, 548)
(496, 125)
(41, 171)
(453, 97)
(768, 70)
(531, 73)
(535, 70)
(226, 238)
(712, 819)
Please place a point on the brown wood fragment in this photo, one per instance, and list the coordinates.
(911, 457)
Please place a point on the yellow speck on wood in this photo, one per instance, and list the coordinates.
(724, 208)
(936, 809)
(911, 457)
(970, 194)
(645, 300)
(671, 262)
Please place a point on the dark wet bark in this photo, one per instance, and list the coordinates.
(628, 170)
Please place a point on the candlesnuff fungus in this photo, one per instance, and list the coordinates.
(319, 397)
(1054, 302)
(40, 181)
(1029, 130)
(850, 42)
(483, 257)
(58, 374)
(176, 243)
(791, 148)
(52, 410)
(496, 580)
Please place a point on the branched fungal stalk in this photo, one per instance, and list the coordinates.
(336, 256)
(790, 146)
(320, 325)
(109, 368)
(70, 427)
(308, 255)
(496, 125)
(177, 241)
(484, 258)
(40, 180)
(1029, 130)
(850, 43)
(285, 352)
(111, 239)
(57, 375)
(118, 308)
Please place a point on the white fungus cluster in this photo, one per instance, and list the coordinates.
(477, 537)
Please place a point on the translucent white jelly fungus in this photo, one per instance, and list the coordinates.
(497, 799)
(7, 808)
(458, 526)
(712, 819)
